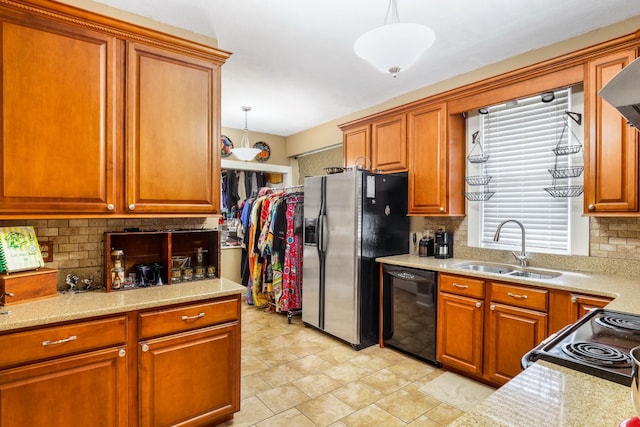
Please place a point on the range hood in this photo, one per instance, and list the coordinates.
(623, 92)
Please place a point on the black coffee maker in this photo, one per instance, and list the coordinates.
(444, 244)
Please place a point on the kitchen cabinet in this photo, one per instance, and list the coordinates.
(356, 145)
(71, 374)
(460, 323)
(566, 308)
(611, 146)
(389, 144)
(190, 374)
(517, 322)
(436, 161)
(102, 117)
(59, 137)
(172, 153)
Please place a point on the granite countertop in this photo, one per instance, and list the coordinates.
(546, 394)
(74, 306)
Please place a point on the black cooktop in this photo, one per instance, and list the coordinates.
(598, 344)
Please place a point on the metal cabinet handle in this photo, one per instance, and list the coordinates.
(441, 209)
(122, 352)
(459, 286)
(197, 316)
(132, 207)
(591, 207)
(62, 341)
(492, 306)
(516, 296)
(10, 294)
(479, 304)
(145, 347)
(110, 207)
(574, 299)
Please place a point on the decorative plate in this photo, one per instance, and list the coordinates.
(225, 146)
(265, 151)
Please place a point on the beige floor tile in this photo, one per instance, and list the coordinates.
(250, 385)
(338, 354)
(370, 362)
(456, 390)
(412, 370)
(423, 421)
(309, 364)
(316, 384)
(371, 416)
(357, 394)
(444, 414)
(281, 374)
(407, 405)
(251, 365)
(277, 357)
(346, 372)
(325, 409)
(282, 398)
(292, 417)
(305, 348)
(253, 411)
(385, 381)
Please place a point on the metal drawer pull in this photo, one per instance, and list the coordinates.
(197, 316)
(456, 285)
(479, 304)
(145, 347)
(122, 352)
(516, 296)
(10, 294)
(62, 341)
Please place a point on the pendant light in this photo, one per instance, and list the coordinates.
(395, 46)
(245, 152)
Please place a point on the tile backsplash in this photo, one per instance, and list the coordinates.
(614, 247)
(78, 244)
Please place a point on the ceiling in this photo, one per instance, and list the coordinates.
(293, 60)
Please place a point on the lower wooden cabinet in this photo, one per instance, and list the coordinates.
(567, 307)
(88, 389)
(190, 378)
(511, 333)
(460, 332)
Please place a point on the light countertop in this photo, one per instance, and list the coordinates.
(74, 306)
(546, 394)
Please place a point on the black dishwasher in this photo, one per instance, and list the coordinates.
(409, 297)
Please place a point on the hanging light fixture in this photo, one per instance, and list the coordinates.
(395, 46)
(245, 152)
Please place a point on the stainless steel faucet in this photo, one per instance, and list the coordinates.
(522, 258)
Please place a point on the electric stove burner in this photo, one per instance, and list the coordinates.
(612, 321)
(597, 354)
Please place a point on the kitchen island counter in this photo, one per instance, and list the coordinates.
(74, 306)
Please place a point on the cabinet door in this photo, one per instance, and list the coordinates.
(427, 161)
(459, 337)
(191, 378)
(389, 144)
(57, 152)
(583, 304)
(611, 146)
(172, 154)
(356, 144)
(86, 390)
(511, 333)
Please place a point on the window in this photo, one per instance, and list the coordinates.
(519, 138)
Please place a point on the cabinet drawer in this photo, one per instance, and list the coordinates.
(461, 285)
(45, 343)
(520, 296)
(184, 318)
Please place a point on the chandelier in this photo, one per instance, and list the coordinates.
(245, 152)
(395, 46)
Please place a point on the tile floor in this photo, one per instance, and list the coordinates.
(297, 376)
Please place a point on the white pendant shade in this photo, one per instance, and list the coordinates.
(245, 152)
(393, 48)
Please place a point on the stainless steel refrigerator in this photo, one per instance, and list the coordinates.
(350, 219)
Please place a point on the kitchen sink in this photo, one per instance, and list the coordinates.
(507, 270)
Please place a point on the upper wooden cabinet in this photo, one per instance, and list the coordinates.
(58, 113)
(356, 144)
(389, 144)
(104, 117)
(611, 146)
(172, 100)
(436, 161)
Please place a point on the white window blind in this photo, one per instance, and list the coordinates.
(519, 138)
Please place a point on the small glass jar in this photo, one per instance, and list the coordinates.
(117, 269)
(187, 274)
(199, 272)
(176, 275)
(211, 271)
